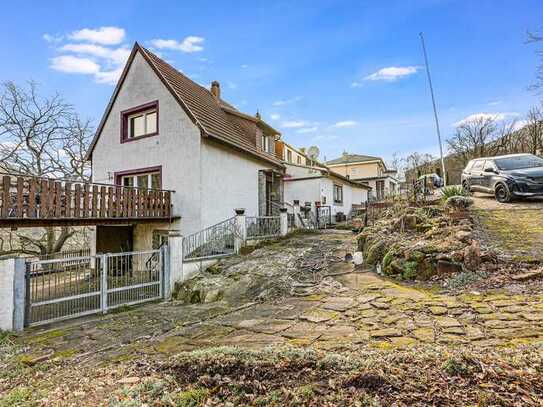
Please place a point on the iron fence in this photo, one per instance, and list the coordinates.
(60, 289)
(262, 227)
(214, 241)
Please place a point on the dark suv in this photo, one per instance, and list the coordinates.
(506, 176)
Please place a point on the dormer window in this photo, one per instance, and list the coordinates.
(267, 144)
(139, 122)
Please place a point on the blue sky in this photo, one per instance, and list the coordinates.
(343, 75)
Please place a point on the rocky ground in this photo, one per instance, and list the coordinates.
(326, 333)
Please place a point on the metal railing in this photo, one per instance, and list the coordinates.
(61, 289)
(262, 227)
(214, 241)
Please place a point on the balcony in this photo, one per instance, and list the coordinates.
(30, 201)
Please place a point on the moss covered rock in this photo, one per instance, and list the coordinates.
(375, 252)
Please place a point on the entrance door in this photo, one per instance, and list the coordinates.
(269, 186)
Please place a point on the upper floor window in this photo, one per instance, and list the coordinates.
(299, 160)
(139, 122)
(267, 144)
(289, 156)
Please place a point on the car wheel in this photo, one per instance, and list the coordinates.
(502, 193)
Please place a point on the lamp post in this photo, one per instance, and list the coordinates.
(434, 106)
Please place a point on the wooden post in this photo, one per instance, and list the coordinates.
(6, 201)
(102, 202)
(44, 205)
(77, 201)
(110, 202)
(94, 208)
(31, 213)
(67, 199)
(58, 200)
(86, 200)
(20, 196)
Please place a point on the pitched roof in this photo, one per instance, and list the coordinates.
(212, 115)
(353, 158)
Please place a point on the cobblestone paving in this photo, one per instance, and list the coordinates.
(360, 310)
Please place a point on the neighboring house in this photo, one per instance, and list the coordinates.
(162, 130)
(369, 170)
(315, 185)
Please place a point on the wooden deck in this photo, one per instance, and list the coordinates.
(28, 201)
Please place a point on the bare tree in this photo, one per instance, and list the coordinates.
(537, 37)
(416, 164)
(42, 137)
(475, 138)
(533, 131)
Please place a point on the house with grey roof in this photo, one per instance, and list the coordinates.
(162, 130)
(368, 170)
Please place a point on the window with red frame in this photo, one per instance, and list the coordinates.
(139, 122)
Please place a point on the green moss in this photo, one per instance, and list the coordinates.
(192, 397)
(389, 257)
(19, 396)
(46, 336)
(65, 354)
(375, 252)
(410, 270)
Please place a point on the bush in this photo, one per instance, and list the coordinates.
(453, 190)
(459, 203)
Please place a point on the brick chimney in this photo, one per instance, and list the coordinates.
(216, 89)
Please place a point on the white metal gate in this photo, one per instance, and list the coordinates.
(68, 288)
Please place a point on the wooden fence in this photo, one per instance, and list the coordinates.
(39, 198)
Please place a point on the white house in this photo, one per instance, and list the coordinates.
(162, 130)
(317, 186)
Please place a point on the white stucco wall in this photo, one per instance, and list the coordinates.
(306, 190)
(229, 180)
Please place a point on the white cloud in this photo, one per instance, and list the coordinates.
(275, 116)
(189, 44)
(52, 38)
(306, 130)
(286, 101)
(495, 102)
(356, 84)
(484, 116)
(391, 73)
(294, 124)
(345, 123)
(114, 55)
(102, 35)
(244, 66)
(71, 64)
(109, 77)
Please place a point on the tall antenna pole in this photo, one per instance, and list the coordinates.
(434, 105)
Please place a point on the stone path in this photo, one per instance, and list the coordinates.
(355, 308)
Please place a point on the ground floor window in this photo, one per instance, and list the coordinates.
(338, 194)
(146, 178)
(160, 238)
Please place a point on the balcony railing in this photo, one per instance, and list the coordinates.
(31, 199)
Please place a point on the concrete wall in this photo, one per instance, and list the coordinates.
(176, 148)
(12, 294)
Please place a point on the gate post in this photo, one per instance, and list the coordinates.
(12, 294)
(241, 230)
(297, 221)
(103, 282)
(283, 221)
(173, 263)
